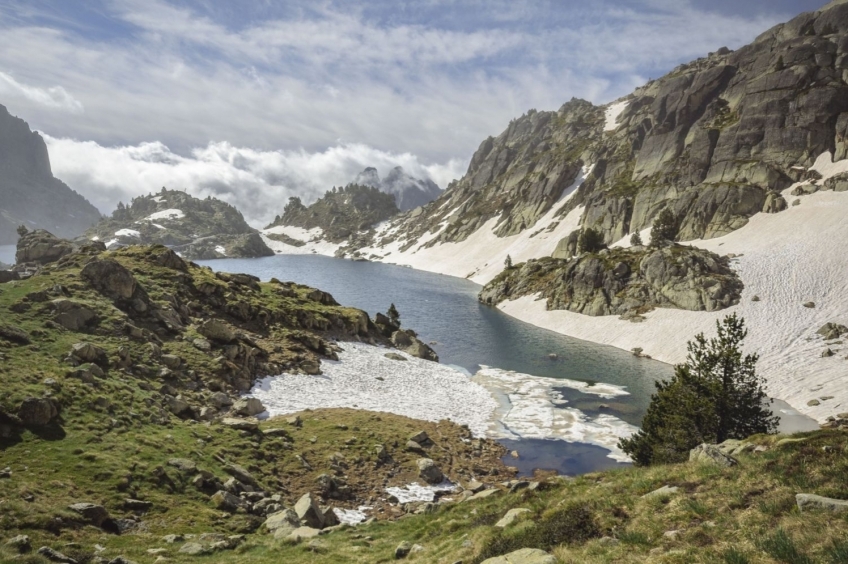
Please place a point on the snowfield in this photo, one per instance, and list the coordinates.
(312, 237)
(494, 403)
(165, 214)
(613, 112)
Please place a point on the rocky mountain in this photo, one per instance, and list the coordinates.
(715, 141)
(197, 229)
(409, 192)
(340, 213)
(29, 193)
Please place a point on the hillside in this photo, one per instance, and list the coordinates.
(29, 193)
(196, 229)
(409, 192)
(337, 216)
(746, 148)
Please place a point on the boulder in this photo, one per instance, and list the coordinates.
(86, 352)
(403, 550)
(511, 517)
(183, 464)
(72, 315)
(225, 501)
(832, 331)
(194, 549)
(412, 345)
(172, 361)
(303, 533)
(14, 334)
(282, 520)
(240, 424)
(661, 492)
(217, 331)
(308, 511)
(110, 278)
(41, 247)
(247, 407)
(21, 544)
(429, 472)
(8, 276)
(807, 502)
(220, 399)
(55, 556)
(523, 556)
(711, 454)
(240, 474)
(38, 412)
(93, 514)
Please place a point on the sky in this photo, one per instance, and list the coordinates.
(258, 100)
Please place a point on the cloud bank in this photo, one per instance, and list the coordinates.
(54, 97)
(258, 183)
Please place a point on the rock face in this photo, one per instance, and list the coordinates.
(340, 213)
(41, 247)
(29, 194)
(807, 502)
(197, 229)
(623, 282)
(711, 454)
(712, 141)
(409, 192)
(523, 556)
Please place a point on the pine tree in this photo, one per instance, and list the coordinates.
(590, 241)
(714, 396)
(508, 262)
(664, 228)
(22, 230)
(636, 239)
(394, 315)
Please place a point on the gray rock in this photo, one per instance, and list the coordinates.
(303, 533)
(429, 472)
(247, 407)
(220, 400)
(172, 361)
(662, 492)
(412, 345)
(137, 505)
(523, 556)
(183, 464)
(711, 454)
(86, 352)
(395, 356)
(225, 501)
(217, 331)
(38, 412)
(403, 550)
(308, 511)
(285, 519)
(55, 556)
(14, 334)
(808, 502)
(240, 424)
(194, 549)
(111, 279)
(20, 544)
(72, 315)
(241, 474)
(511, 517)
(41, 247)
(93, 514)
(202, 345)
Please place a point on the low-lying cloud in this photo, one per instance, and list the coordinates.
(258, 183)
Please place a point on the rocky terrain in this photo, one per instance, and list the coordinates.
(409, 192)
(716, 141)
(625, 282)
(29, 193)
(340, 213)
(196, 229)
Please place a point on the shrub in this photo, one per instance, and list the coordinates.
(664, 228)
(636, 239)
(590, 241)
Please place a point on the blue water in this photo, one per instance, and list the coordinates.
(7, 254)
(444, 310)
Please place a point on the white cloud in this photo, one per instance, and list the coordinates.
(258, 183)
(54, 97)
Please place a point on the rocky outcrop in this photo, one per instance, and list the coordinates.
(197, 229)
(625, 282)
(409, 192)
(41, 247)
(341, 212)
(29, 193)
(714, 141)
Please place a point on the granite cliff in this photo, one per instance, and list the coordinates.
(29, 193)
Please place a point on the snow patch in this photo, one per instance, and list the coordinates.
(315, 244)
(165, 214)
(352, 516)
(613, 112)
(127, 233)
(221, 250)
(532, 408)
(416, 492)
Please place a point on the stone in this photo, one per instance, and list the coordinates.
(810, 305)
(137, 505)
(41, 247)
(664, 491)
(225, 501)
(511, 517)
(807, 502)
(827, 353)
(86, 352)
(403, 550)
(240, 473)
(303, 533)
(194, 549)
(73, 316)
(20, 544)
(308, 511)
(247, 407)
(183, 464)
(285, 519)
(421, 437)
(202, 345)
(330, 517)
(14, 334)
(38, 412)
(172, 361)
(93, 514)
(217, 331)
(110, 278)
(294, 421)
(395, 356)
(484, 494)
(220, 400)
(831, 331)
(55, 556)
(240, 424)
(523, 556)
(429, 472)
(710, 454)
